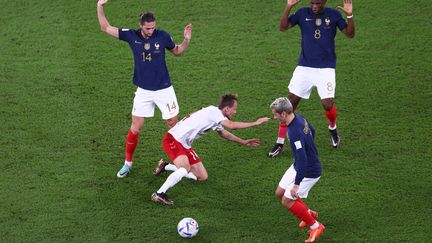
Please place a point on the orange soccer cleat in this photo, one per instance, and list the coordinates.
(314, 234)
(313, 214)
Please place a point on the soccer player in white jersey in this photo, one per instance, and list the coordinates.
(178, 141)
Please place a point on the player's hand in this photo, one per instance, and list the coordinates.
(294, 191)
(262, 120)
(251, 142)
(346, 7)
(102, 2)
(292, 2)
(188, 32)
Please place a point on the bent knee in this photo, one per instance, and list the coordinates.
(286, 202)
(328, 107)
(327, 104)
(135, 131)
(202, 178)
(136, 128)
(172, 121)
(279, 192)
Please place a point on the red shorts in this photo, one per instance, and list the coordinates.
(174, 149)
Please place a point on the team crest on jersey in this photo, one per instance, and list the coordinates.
(327, 23)
(306, 127)
(157, 47)
(318, 22)
(147, 46)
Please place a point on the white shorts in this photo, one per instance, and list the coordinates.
(305, 78)
(145, 101)
(288, 179)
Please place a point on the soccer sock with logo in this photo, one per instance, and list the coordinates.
(331, 117)
(173, 179)
(131, 143)
(172, 167)
(301, 211)
(282, 133)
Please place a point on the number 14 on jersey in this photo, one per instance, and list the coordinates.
(171, 107)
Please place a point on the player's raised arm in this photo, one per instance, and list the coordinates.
(187, 33)
(239, 125)
(284, 24)
(347, 8)
(103, 22)
(245, 142)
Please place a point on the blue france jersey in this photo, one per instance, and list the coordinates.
(301, 136)
(318, 33)
(150, 70)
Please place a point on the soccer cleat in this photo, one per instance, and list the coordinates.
(161, 198)
(277, 149)
(160, 167)
(314, 215)
(335, 139)
(314, 234)
(124, 171)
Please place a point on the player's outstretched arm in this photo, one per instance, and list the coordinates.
(347, 8)
(103, 22)
(239, 125)
(245, 142)
(187, 35)
(284, 24)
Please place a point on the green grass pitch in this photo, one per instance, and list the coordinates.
(66, 95)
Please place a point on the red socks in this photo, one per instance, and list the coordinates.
(131, 143)
(331, 116)
(282, 130)
(300, 210)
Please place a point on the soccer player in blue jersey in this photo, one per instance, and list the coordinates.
(306, 170)
(317, 61)
(151, 76)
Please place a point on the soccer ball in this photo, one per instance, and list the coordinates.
(187, 227)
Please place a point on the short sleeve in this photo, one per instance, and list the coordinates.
(218, 128)
(169, 43)
(294, 18)
(216, 116)
(341, 23)
(125, 35)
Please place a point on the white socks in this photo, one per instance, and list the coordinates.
(129, 163)
(172, 167)
(191, 175)
(173, 179)
(315, 225)
(280, 140)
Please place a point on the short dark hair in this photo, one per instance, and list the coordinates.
(227, 100)
(147, 17)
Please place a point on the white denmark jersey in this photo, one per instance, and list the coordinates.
(197, 124)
